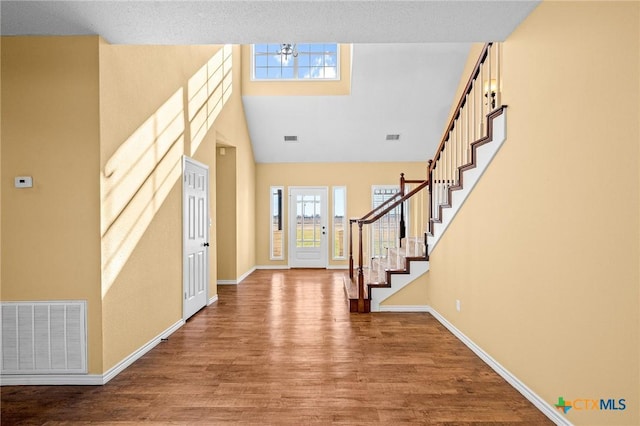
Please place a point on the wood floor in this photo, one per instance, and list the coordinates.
(281, 348)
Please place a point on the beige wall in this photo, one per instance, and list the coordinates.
(158, 103)
(50, 131)
(102, 129)
(357, 177)
(544, 254)
(226, 214)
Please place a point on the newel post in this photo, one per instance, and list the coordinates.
(430, 179)
(360, 270)
(351, 248)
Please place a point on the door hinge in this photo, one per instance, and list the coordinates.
(185, 295)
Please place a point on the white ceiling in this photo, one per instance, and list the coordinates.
(407, 61)
(404, 89)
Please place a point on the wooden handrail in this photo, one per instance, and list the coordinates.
(461, 103)
(408, 195)
(455, 160)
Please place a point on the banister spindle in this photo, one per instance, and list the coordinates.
(430, 177)
(498, 82)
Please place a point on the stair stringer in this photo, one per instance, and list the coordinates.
(397, 282)
(484, 154)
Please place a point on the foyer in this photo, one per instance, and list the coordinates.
(282, 348)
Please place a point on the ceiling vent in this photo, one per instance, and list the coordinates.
(291, 139)
(395, 137)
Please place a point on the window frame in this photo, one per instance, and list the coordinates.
(295, 79)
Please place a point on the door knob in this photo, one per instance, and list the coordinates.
(206, 244)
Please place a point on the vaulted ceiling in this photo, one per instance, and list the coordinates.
(407, 61)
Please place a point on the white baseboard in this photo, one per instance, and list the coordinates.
(239, 280)
(246, 274)
(282, 267)
(542, 405)
(404, 308)
(341, 267)
(87, 379)
(213, 300)
(119, 367)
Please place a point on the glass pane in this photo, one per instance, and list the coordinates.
(317, 60)
(304, 72)
(273, 72)
(274, 60)
(261, 60)
(287, 72)
(261, 73)
(274, 48)
(308, 228)
(330, 72)
(277, 226)
(339, 222)
(331, 47)
(329, 60)
(303, 60)
(260, 48)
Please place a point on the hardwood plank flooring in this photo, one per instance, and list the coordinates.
(281, 348)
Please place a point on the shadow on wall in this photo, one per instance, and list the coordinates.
(138, 177)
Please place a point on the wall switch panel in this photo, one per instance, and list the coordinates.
(24, 182)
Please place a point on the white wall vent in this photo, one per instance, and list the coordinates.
(44, 337)
(291, 139)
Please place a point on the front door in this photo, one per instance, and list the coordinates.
(195, 236)
(308, 227)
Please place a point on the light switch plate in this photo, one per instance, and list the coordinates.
(24, 182)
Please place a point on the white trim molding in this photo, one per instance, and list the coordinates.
(338, 267)
(542, 405)
(213, 300)
(89, 379)
(239, 280)
(119, 367)
(404, 308)
(274, 267)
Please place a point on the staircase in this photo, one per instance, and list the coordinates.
(474, 135)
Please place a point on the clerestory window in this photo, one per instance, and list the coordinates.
(301, 61)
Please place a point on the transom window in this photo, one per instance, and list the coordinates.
(302, 61)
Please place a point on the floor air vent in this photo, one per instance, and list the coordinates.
(43, 337)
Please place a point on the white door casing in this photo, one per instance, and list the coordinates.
(308, 230)
(195, 236)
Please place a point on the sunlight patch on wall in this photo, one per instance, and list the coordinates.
(208, 90)
(138, 177)
(136, 181)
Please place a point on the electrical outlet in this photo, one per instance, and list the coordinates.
(457, 305)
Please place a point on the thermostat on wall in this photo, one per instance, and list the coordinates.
(24, 182)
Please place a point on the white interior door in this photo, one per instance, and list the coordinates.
(308, 227)
(195, 236)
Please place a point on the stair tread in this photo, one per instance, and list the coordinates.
(351, 287)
